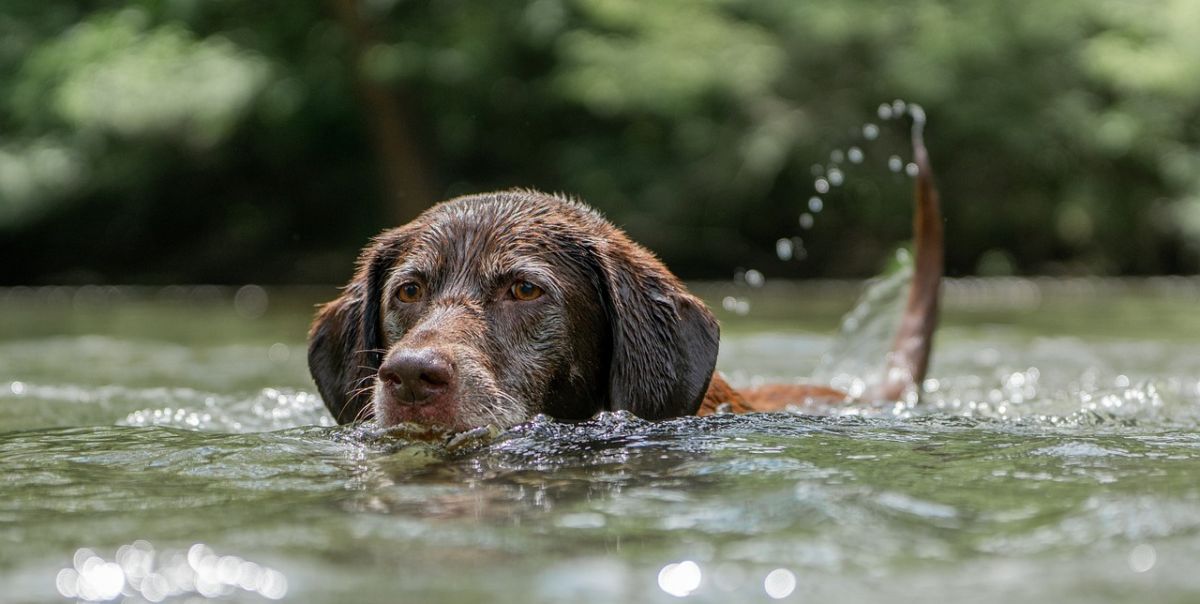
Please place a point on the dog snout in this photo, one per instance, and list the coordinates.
(417, 376)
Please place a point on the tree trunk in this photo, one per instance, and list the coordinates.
(408, 184)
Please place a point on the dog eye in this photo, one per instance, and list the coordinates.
(526, 291)
(409, 292)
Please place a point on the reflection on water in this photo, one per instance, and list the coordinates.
(139, 570)
(1055, 457)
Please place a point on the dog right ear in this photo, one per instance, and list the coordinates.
(346, 343)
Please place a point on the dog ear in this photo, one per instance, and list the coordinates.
(345, 343)
(664, 340)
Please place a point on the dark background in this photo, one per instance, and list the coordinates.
(228, 141)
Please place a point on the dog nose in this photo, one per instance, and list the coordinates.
(417, 375)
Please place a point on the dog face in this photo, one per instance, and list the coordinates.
(492, 308)
(489, 316)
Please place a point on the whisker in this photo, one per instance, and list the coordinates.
(507, 415)
(491, 411)
(357, 392)
(364, 413)
(367, 411)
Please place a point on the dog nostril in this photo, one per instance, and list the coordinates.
(418, 375)
(438, 373)
(389, 374)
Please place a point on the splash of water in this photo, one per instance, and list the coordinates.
(852, 363)
(833, 175)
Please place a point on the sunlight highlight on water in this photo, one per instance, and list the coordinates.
(680, 579)
(780, 583)
(1142, 558)
(141, 570)
(270, 409)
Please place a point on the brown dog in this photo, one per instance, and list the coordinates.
(489, 309)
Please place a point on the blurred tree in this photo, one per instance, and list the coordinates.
(160, 140)
(402, 163)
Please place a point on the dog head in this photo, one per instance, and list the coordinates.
(489, 309)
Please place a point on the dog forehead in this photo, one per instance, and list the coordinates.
(493, 234)
(515, 221)
(517, 208)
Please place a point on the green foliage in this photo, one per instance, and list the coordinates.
(108, 75)
(228, 140)
(634, 56)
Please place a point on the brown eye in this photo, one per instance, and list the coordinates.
(526, 291)
(409, 292)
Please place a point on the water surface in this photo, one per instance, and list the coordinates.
(167, 443)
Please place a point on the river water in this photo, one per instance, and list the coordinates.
(166, 444)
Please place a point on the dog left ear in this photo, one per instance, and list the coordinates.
(345, 343)
(664, 340)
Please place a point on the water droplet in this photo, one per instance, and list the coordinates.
(855, 154)
(870, 131)
(806, 220)
(821, 185)
(836, 177)
(798, 251)
(895, 164)
(755, 278)
(737, 306)
(898, 107)
(783, 249)
(911, 169)
(885, 111)
(815, 204)
(917, 112)
(837, 156)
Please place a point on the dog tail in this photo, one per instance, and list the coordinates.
(909, 357)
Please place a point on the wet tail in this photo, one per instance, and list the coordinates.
(913, 343)
(909, 356)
